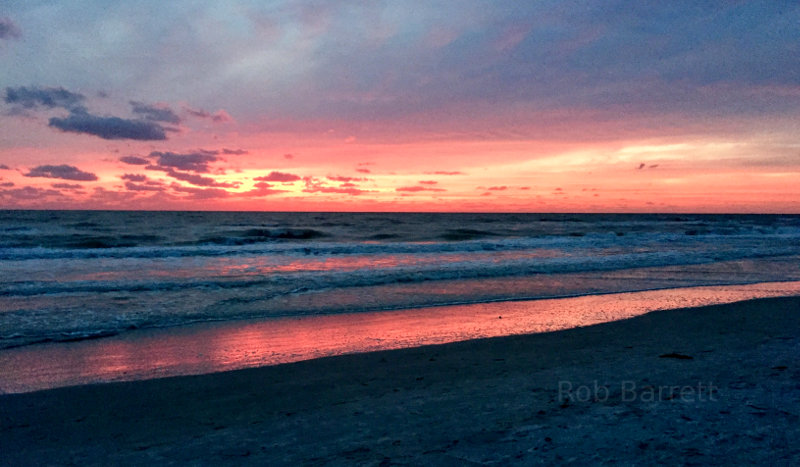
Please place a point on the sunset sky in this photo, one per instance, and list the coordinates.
(538, 106)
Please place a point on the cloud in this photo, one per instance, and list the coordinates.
(340, 178)
(278, 177)
(201, 193)
(176, 165)
(140, 182)
(7, 184)
(428, 182)
(4, 167)
(65, 172)
(194, 161)
(134, 160)
(80, 121)
(199, 180)
(363, 171)
(235, 152)
(131, 186)
(288, 156)
(417, 188)
(332, 189)
(29, 193)
(155, 112)
(220, 116)
(67, 186)
(262, 189)
(9, 30)
(134, 177)
(444, 172)
(497, 188)
(314, 185)
(33, 97)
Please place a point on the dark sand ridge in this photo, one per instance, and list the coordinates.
(482, 401)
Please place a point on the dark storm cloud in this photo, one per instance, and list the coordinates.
(156, 112)
(194, 162)
(65, 172)
(9, 30)
(80, 121)
(134, 160)
(33, 97)
(278, 177)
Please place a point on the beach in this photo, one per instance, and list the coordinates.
(711, 385)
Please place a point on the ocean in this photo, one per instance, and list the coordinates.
(73, 275)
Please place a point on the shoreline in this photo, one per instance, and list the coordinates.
(228, 345)
(502, 399)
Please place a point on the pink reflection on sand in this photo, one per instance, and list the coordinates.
(214, 347)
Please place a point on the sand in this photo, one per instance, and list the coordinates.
(713, 385)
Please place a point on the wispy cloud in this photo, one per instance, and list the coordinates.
(155, 112)
(417, 189)
(278, 177)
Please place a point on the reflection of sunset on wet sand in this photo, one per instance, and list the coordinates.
(228, 346)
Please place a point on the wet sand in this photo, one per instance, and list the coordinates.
(223, 346)
(712, 385)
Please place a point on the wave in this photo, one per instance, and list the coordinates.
(251, 236)
(466, 234)
(301, 242)
(90, 330)
(369, 270)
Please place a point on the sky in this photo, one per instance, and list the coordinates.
(459, 105)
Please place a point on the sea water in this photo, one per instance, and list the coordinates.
(71, 275)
